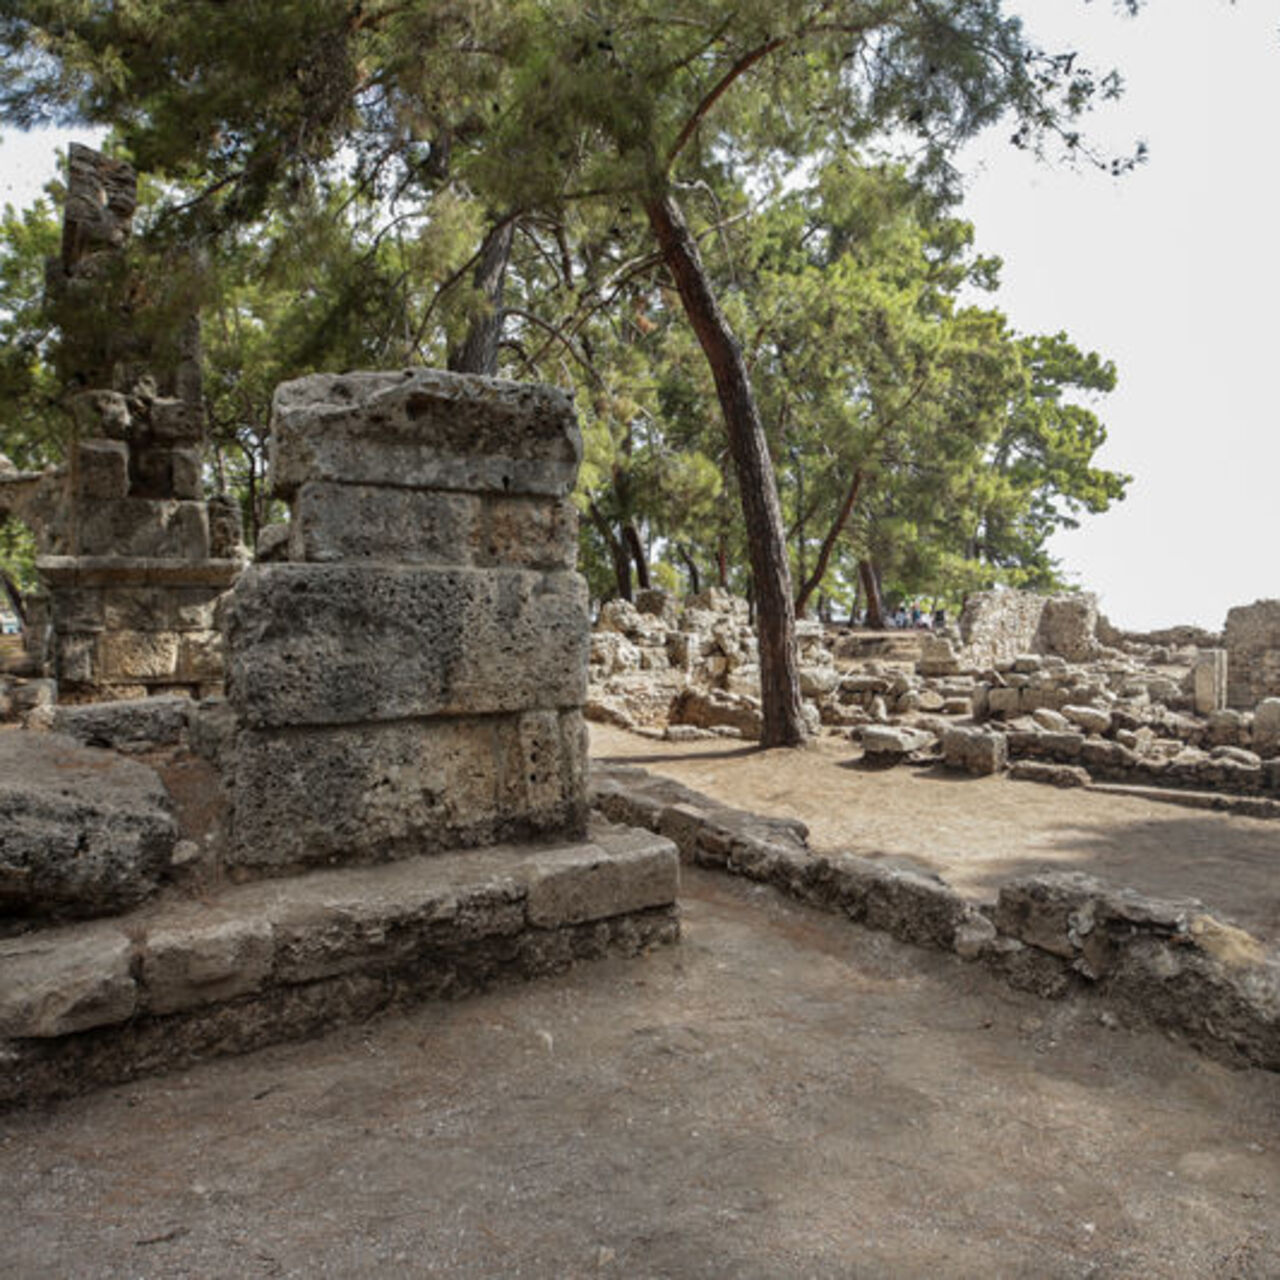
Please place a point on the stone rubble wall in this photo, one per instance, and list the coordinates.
(1158, 962)
(132, 557)
(1252, 640)
(997, 626)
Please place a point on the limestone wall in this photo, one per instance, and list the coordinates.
(412, 677)
(1253, 653)
(997, 626)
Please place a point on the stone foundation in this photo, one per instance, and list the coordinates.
(1253, 653)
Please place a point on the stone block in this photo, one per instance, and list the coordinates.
(424, 429)
(1266, 728)
(1004, 702)
(203, 961)
(974, 750)
(186, 474)
(102, 414)
(893, 742)
(82, 832)
(1209, 681)
(102, 469)
(80, 609)
(142, 722)
(621, 871)
(200, 656)
(191, 608)
(333, 522)
(373, 793)
(160, 528)
(139, 655)
(1090, 719)
(1054, 911)
(59, 981)
(76, 658)
(135, 608)
(312, 644)
(177, 422)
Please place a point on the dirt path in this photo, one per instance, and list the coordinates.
(978, 832)
(782, 1095)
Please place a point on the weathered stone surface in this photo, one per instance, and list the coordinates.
(205, 961)
(1090, 719)
(1252, 640)
(333, 522)
(1266, 728)
(424, 429)
(621, 871)
(160, 528)
(974, 750)
(714, 708)
(1209, 681)
(893, 742)
(1068, 626)
(1056, 775)
(1053, 911)
(142, 722)
(138, 655)
(102, 469)
(82, 832)
(311, 644)
(371, 793)
(59, 981)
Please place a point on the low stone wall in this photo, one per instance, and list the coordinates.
(1167, 963)
(106, 1001)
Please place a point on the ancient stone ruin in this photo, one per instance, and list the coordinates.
(405, 758)
(131, 555)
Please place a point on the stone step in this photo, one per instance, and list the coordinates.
(247, 965)
(1246, 806)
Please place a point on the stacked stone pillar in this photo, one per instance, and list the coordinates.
(412, 679)
(141, 556)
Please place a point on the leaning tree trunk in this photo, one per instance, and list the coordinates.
(828, 545)
(478, 351)
(618, 552)
(631, 535)
(766, 536)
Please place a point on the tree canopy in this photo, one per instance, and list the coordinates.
(606, 138)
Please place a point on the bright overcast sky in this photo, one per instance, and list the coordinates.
(1173, 272)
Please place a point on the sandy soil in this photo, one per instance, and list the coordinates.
(978, 832)
(782, 1095)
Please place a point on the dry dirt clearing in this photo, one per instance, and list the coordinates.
(977, 832)
(782, 1095)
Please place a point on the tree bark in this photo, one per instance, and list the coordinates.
(828, 545)
(478, 351)
(631, 537)
(783, 723)
(695, 578)
(617, 551)
(871, 588)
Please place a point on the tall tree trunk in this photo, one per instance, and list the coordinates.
(631, 537)
(871, 588)
(691, 565)
(478, 351)
(828, 544)
(722, 565)
(617, 551)
(783, 724)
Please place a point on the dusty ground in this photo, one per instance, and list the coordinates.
(977, 832)
(782, 1095)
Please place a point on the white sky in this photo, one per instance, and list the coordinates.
(1172, 271)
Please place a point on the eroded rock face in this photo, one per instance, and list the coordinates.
(83, 832)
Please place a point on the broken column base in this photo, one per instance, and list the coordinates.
(249, 965)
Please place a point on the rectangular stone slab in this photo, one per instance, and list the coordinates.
(424, 429)
(334, 522)
(376, 793)
(343, 644)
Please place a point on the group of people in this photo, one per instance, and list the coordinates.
(914, 616)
